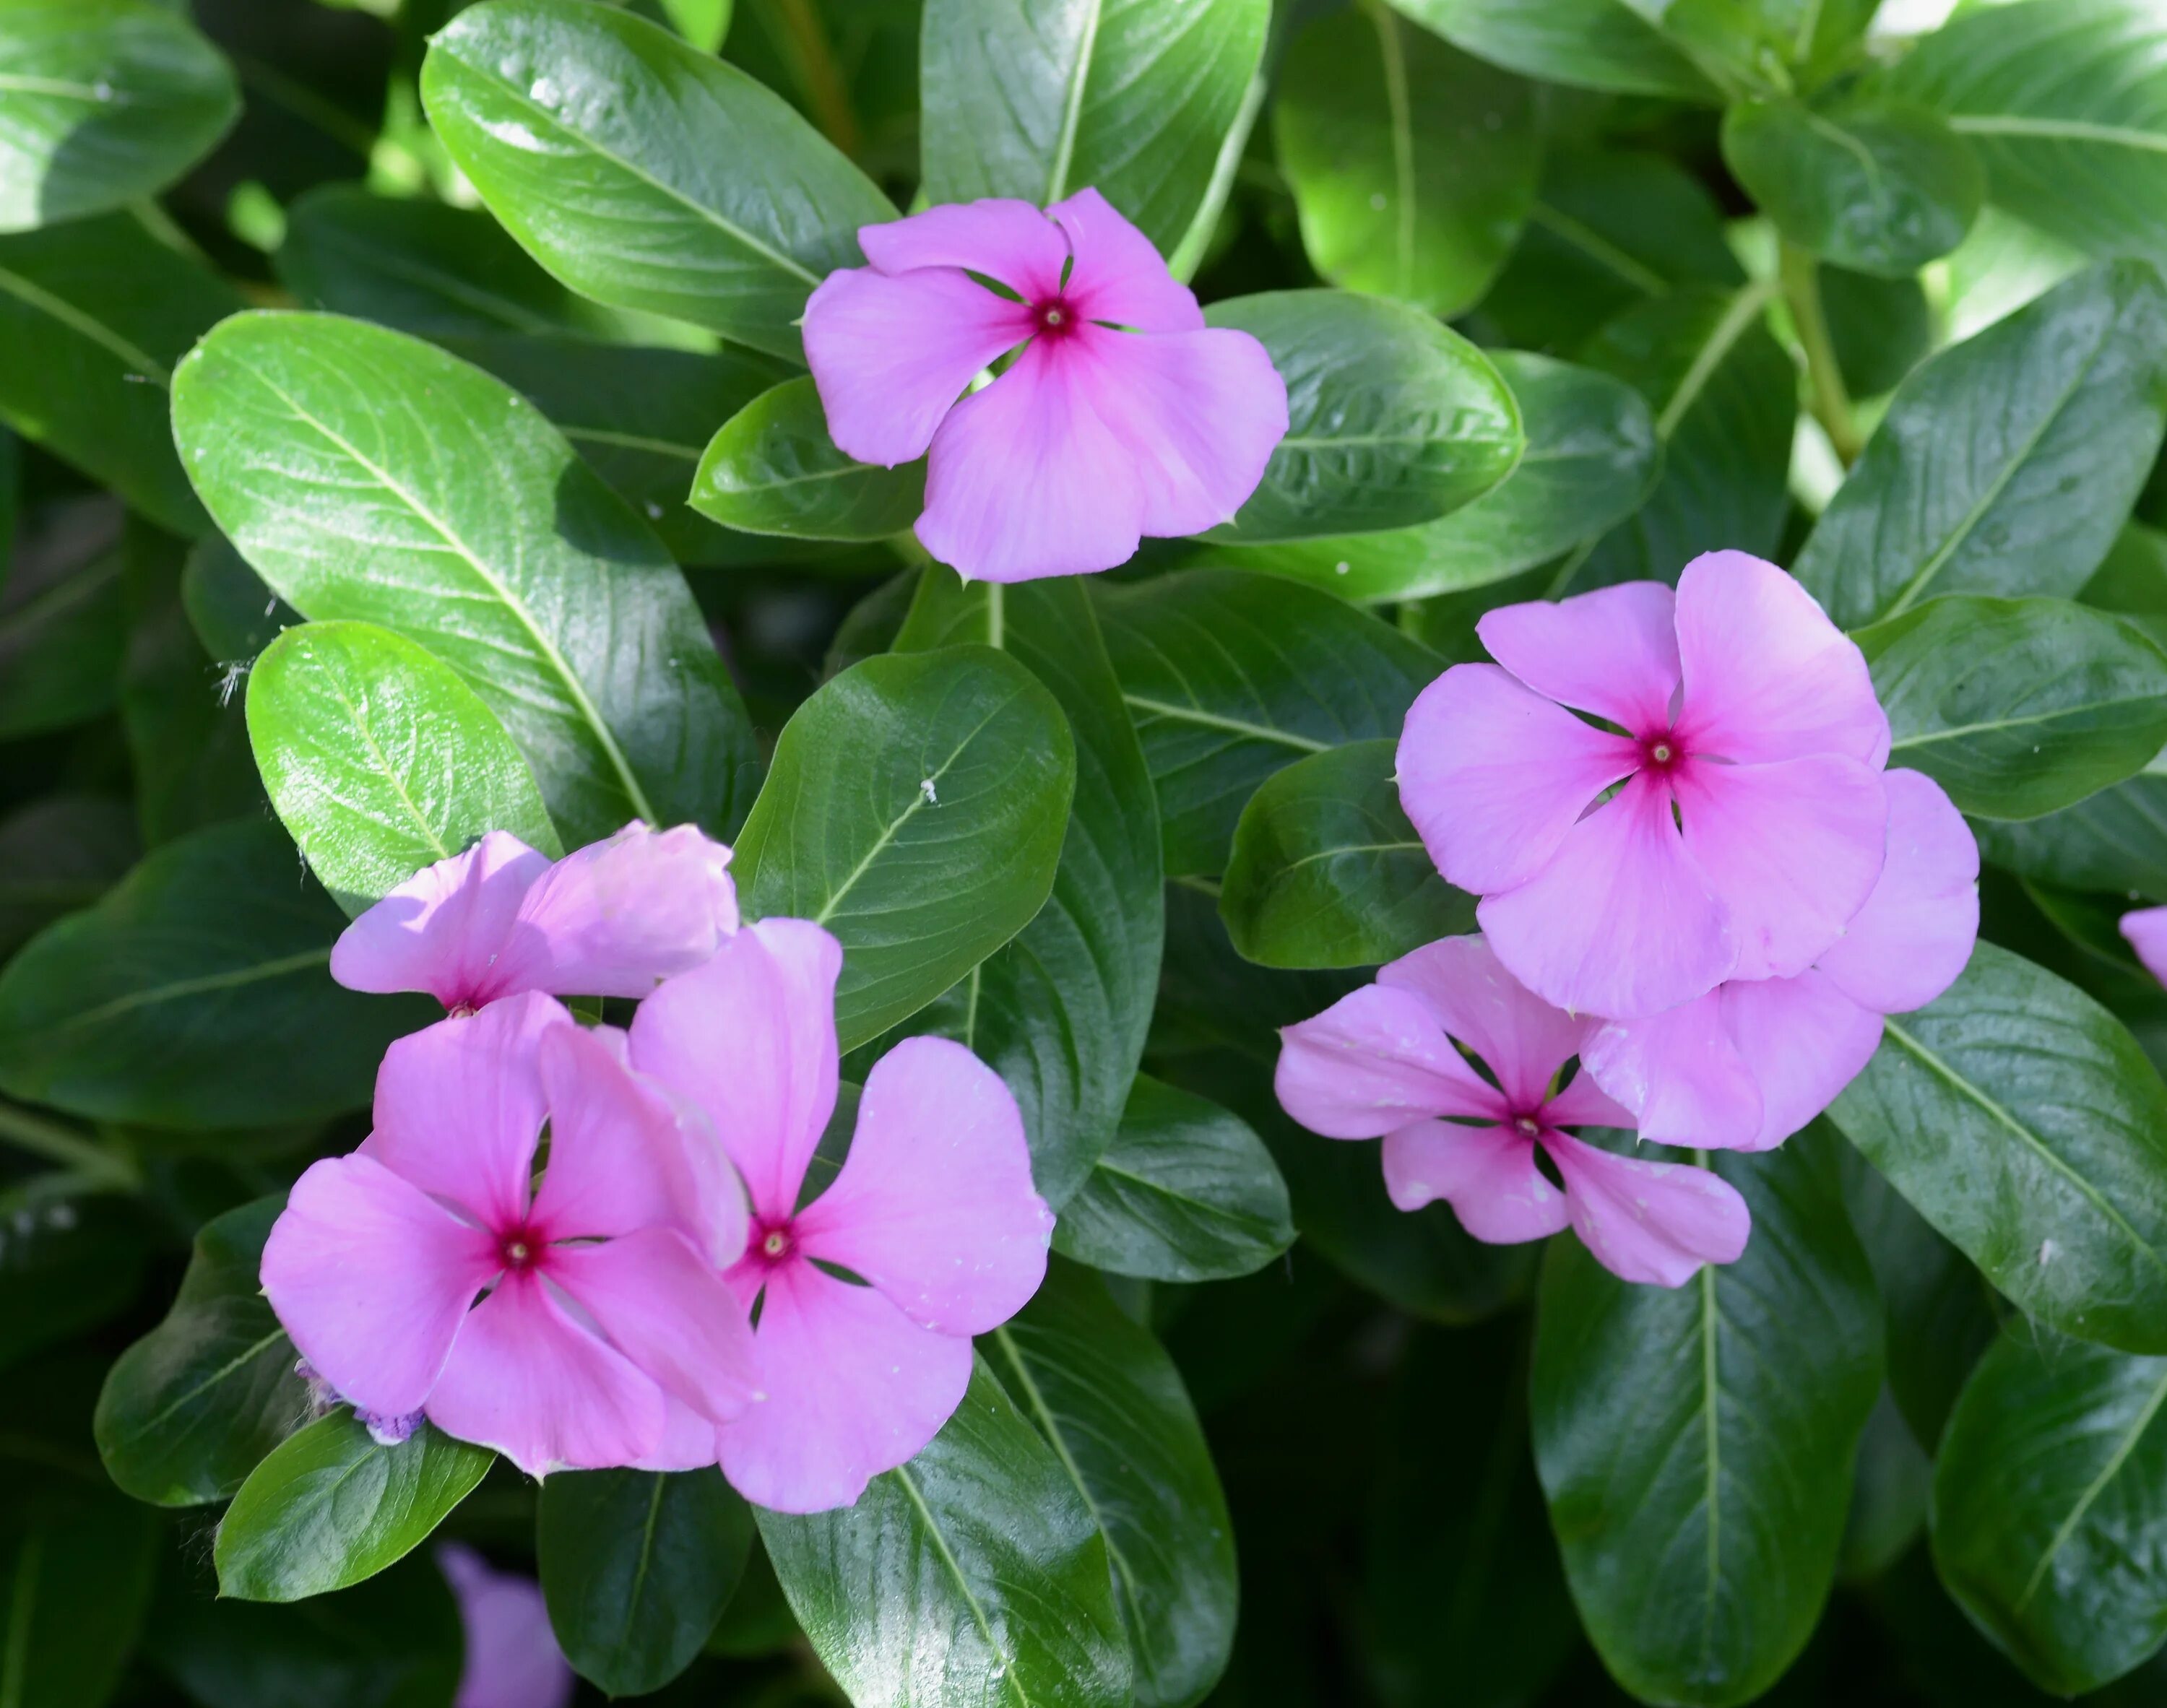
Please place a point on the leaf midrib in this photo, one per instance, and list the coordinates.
(2091, 1494)
(1010, 1682)
(1953, 732)
(54, 308)
(202, 985)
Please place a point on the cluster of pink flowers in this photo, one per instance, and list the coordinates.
(586, 1246)
(1710, 897)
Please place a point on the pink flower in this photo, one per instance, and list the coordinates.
(2146, 931)
(1751, 825)
(1125, 416)
(933, 1211)
(512, 1658)
(603, 1294)
(1748, 1065)
(609, 920)
(1385, 1062)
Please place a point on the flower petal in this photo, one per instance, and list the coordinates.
(1585, 1103)
(1917, 929)
(1376, 1060)
(854, 1388)
(750, 1039)
(1681, 1075)
(934, 1204)
(1767, 675)
(1646, 1221)
(1487, 1174)
(2145, 930)
(890, 354)
(1803, 1040)
(512, 1660)
(459, 1106)
(372, 1278)
(1494, 776)
(1793, 848)
(1026, 479)
(1118, 276)
(527, 1380)
(665, 1307)
(1622, 921)
(688, 1440)
(1521, 1039)
(442, 929)
(999, 237)
(1613, 651)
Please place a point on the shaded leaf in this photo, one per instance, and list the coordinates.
(771, 468)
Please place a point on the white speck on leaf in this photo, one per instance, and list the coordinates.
(926, 788)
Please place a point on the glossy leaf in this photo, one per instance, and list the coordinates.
(1186, 1191)
(976, 1572)
(331, 1506)
(916, 808)
(380, 760)
(771, 468)
(76, 1564)
(192, 1408)
(2062, 409)
(637, 1566)
(367, 475)
(2021, 1118)
(1696, 1443)
(1413, 165)
(642, 173)
(1595, 44)
(1231, 676)
(1140, 101)
(57, 856)
(197, 994)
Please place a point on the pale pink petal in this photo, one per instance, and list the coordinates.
(854, 1388)
(1917, 929)
(1767, 675)
(2146, 931)
(1622, 921)
(665, 1307)
(1646, 1221)
(688, 1440)
(890, 354)
(1793, 848)
(512, 1660)
(1613, 652)
(1003, 238)
(372, 1278)
(1199, 412)
(527, 1380)
(750, 1038)
(1118, 276)
(1681, 1075)
(1026, 479)
(1804, 1041)
(442, 929)
(1487, 1174)
(1521, 1038)
(1493, 775)
(459, 1106)
(1376, 1060)
(1584, 1102)
(617, 917)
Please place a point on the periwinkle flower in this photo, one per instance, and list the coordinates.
(512, 1660)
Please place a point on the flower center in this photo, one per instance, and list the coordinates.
(1659, 753)
(519, 1249)
(1056, 319)
(772, 1242)
(1527, 1124)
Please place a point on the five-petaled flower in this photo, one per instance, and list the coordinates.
(1124, 415)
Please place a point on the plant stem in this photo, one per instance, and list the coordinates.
(64, 1144)
(825, 92)
(1831, 403)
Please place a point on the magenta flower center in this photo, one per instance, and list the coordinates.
(771, 1242)
(1055, 317)
(1661, 752)
(1527, 1124)
(519, 1248)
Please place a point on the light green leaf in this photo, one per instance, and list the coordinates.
(771, 468)
(1595, 43)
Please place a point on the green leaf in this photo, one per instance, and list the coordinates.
(2050, 1494)
(233, 611)
(771, 468)
(1696, 1443)
(367, 475)
(1879, 187)
(107, 101)
(380, 760)
(2018, 706)
(2115, 840)
(1413, 165)
(76, 1564)
(63, 630)
(642, 173)
(2021, 1118)
(71, 1260)
(1890, 1487)
(637, 1566)
(192, 1408)
(1231, 676)
(57, 856)
(1110, 1403)
(2065, 103)
(196, 995)
(1326, 871)
(2063, 406)
(1142, 101)
(916, 808)
(331, 1505)
(1881, 328)
(1186, 1191)
(1394, 418)
(1591, 460)
(976, 1573)
(1594, 43)
(93, 318)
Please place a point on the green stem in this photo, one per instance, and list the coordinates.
(1831, 402)
(65, 1145)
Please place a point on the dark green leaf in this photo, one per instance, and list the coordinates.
(1597, 44)
(67, 1262)
(63, 629)
(233, 610)
(1889, 1491)
(2115, 840)
(1881, 328)
(77, 1563)
(771, 468)
(57, 856)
